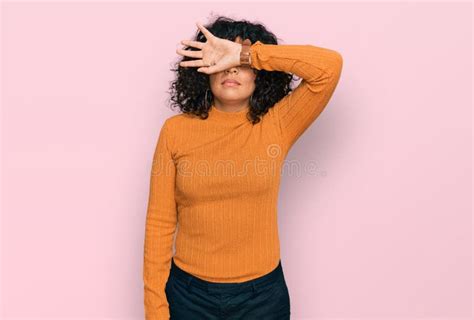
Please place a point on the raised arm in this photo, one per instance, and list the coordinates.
(320, 70)
(161, 222)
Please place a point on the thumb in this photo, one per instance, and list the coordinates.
(201, 69)
(207, 70)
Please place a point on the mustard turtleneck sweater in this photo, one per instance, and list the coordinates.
(216, 181)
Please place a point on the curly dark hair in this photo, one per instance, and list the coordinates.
(188, 90)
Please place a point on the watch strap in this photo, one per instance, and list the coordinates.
(245, 59)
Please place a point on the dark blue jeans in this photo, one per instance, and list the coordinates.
(192, 298)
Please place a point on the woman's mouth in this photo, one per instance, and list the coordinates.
(230, 83)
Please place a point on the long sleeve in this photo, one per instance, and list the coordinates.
(161, 222)
(320, 70)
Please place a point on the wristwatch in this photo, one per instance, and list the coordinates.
(245, 58)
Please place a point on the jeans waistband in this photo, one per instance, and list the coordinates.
(227, 287)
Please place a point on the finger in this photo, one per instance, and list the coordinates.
(189, 53)
(206, 32)
(192, 43)
(192, 63)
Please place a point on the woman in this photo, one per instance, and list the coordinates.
(216, 172)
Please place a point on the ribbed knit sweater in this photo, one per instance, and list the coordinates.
(216, 181)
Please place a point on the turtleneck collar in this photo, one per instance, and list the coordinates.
(227, 116)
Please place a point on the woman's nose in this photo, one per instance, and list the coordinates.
(232, 69)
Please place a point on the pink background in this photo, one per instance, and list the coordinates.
(381, 230)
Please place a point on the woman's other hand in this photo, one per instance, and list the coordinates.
(216, 54)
